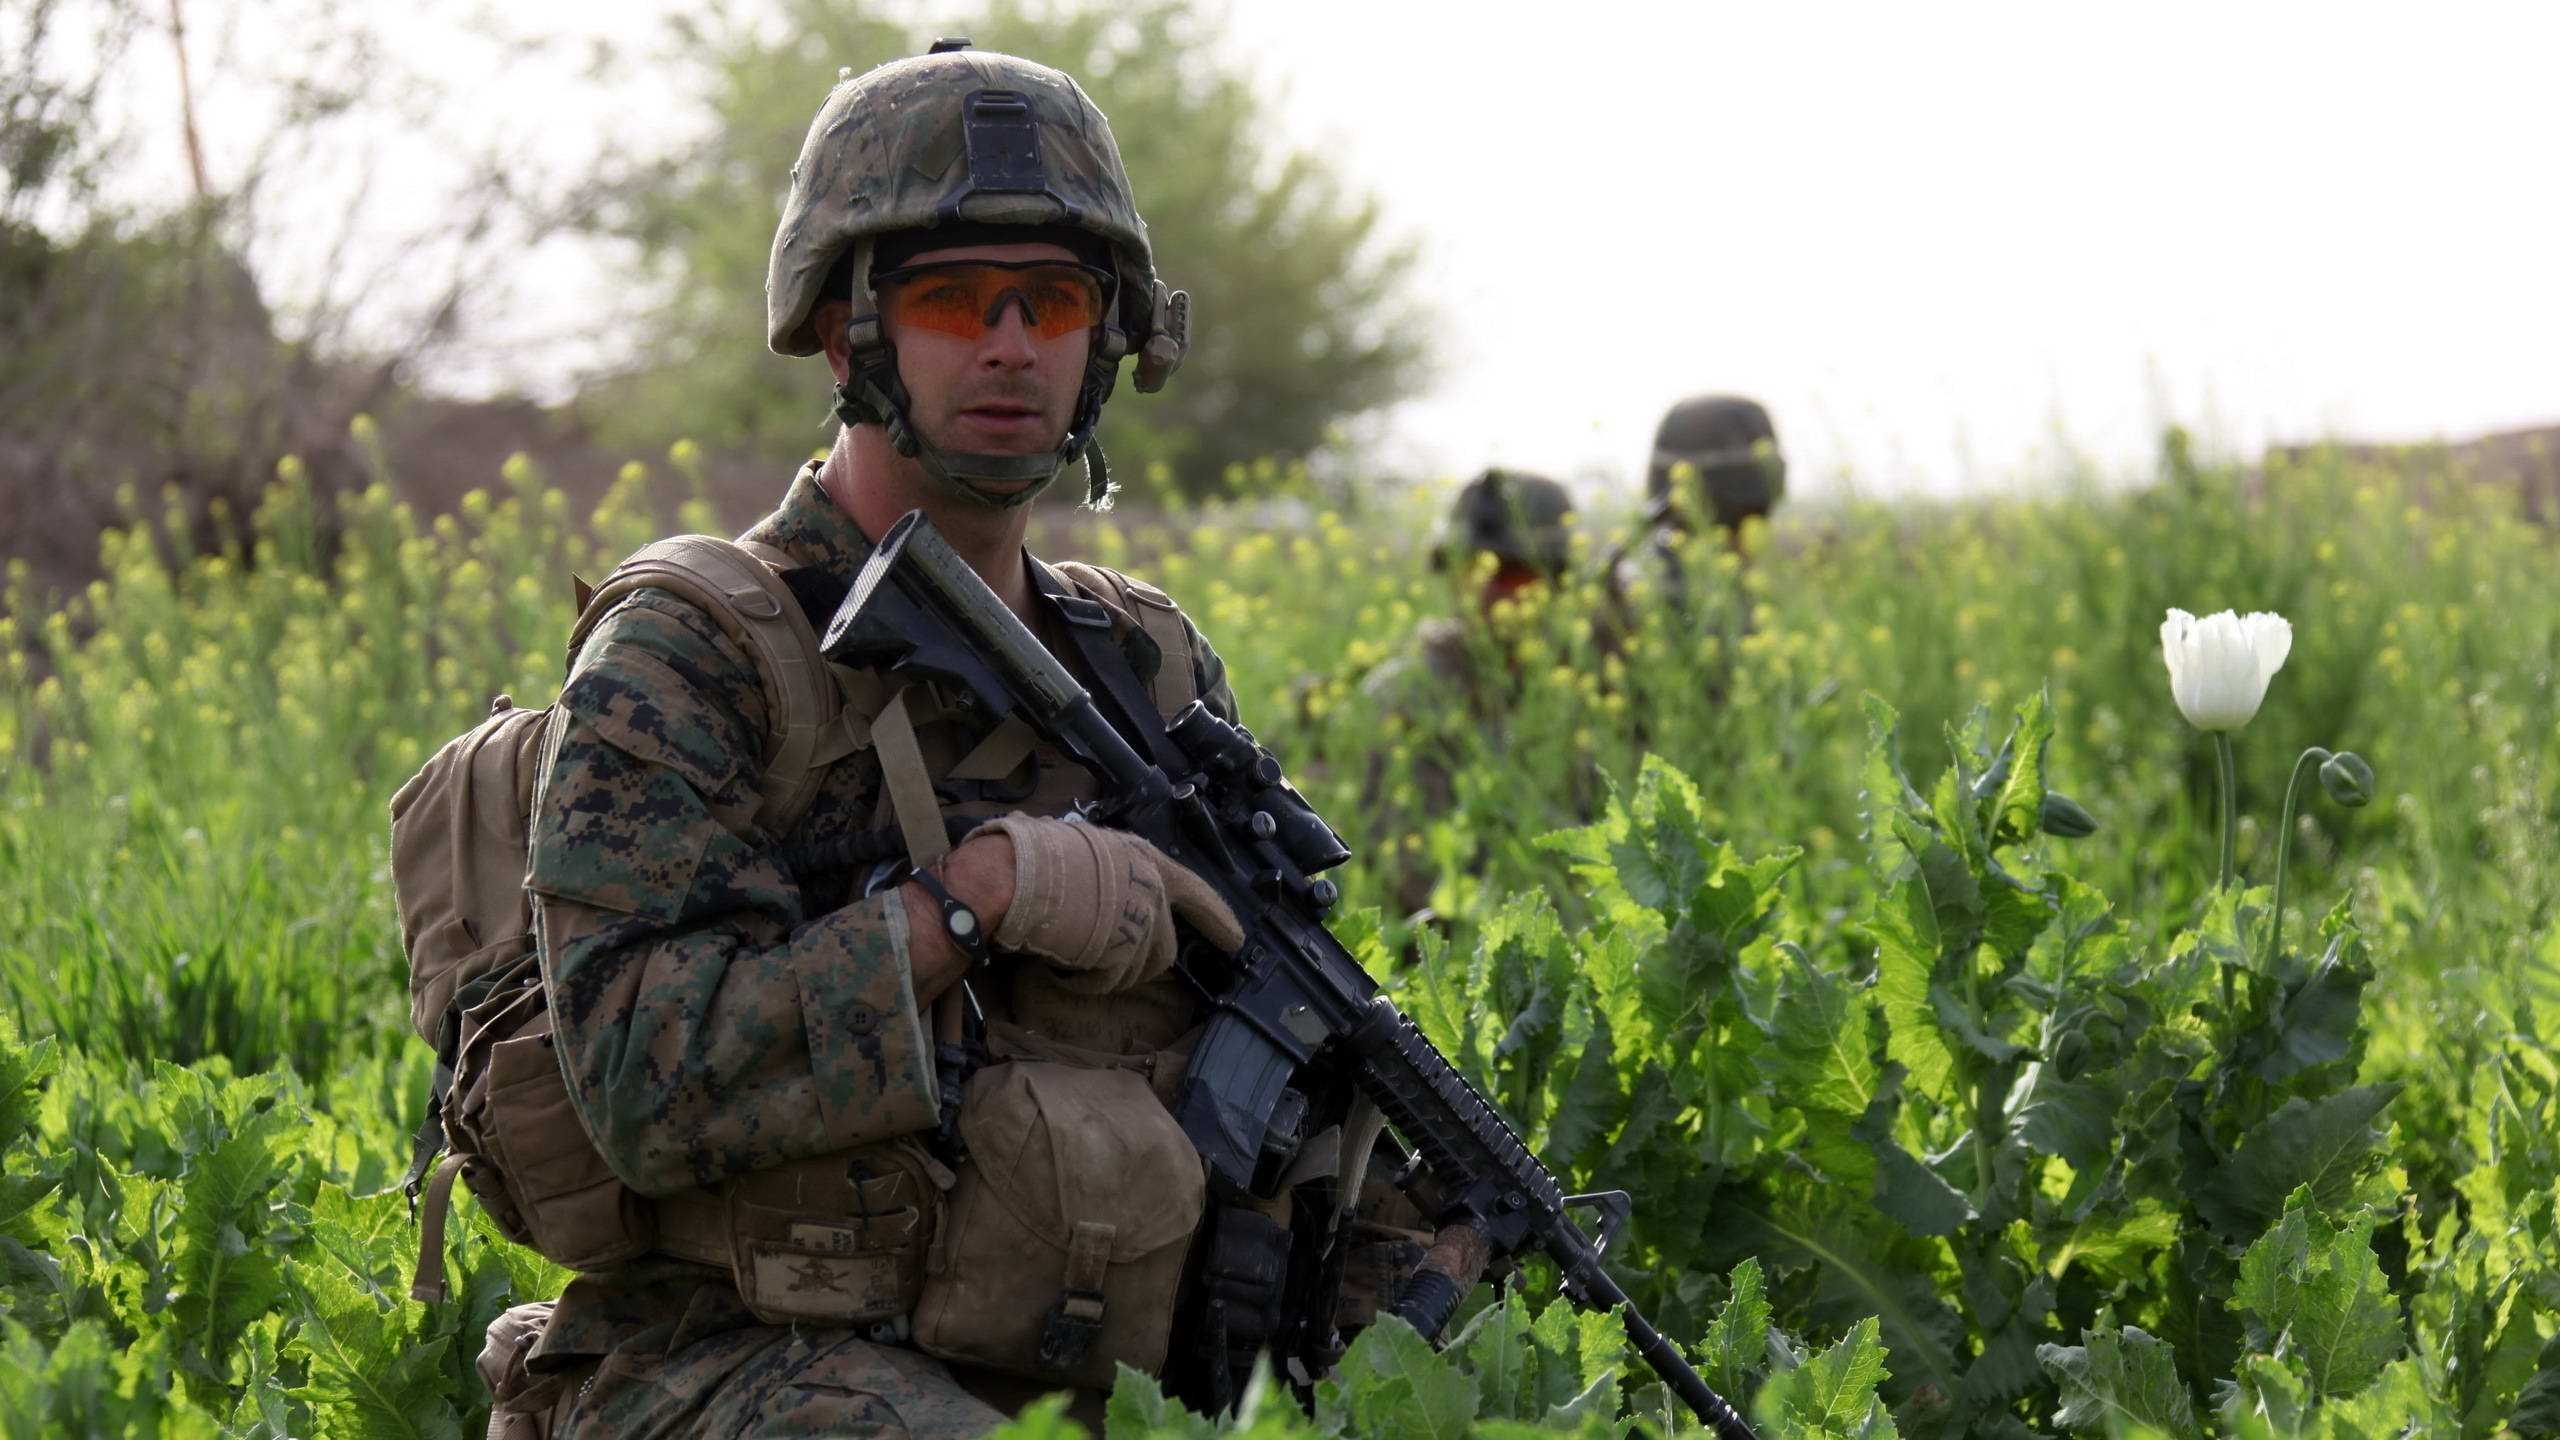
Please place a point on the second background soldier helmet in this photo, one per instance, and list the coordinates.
(1730, 444)
(1516, 517)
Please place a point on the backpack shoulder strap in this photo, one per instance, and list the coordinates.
(739, 585)
(1176, 682)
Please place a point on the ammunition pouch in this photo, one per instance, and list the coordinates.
(1061, 1255)
(1243, 1284)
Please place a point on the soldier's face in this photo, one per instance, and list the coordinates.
(1006, 391)
(1508, 579)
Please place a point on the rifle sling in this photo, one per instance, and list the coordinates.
(1122, 695)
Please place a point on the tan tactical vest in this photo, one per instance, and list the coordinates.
(1053, 1252)
(1055, 1249)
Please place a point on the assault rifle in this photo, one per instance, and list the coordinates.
(1296, 1029)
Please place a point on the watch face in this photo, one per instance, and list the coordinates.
(963, 922)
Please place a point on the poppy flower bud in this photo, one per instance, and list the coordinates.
(2062, 816)
(2348, 779)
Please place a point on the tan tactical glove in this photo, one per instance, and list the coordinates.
(1100, 903)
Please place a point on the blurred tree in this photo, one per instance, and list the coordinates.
(170, 335)
(1301, 316)
(51, 144)
(124, 328)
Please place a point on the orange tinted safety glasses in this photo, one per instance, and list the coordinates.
(967, 298)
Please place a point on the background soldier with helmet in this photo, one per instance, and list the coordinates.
(1729, 450)
(1455, 682)
(1715, 467)
(769, 1050)
(1452, 684)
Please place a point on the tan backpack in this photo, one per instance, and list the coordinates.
(459, 832)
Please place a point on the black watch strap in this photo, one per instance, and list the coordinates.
(958, 920)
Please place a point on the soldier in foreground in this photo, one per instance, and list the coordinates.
(752, 1040)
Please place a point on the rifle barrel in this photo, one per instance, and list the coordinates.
(1665, 1357)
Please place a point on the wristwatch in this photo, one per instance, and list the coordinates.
(958, 920)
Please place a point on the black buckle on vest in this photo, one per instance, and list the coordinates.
(1070, 1328)
(1003, 790)
(1077, 610)
(953, 1065)
(1121, 693)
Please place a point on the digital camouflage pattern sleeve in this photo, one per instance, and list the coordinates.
(708, 1024)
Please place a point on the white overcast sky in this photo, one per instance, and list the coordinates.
(1945, 243)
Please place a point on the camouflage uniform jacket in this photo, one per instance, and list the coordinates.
(1449, 697)
(714, 1014)
(1453, 697)
(1673, 570)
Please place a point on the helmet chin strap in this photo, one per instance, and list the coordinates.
(995, 481)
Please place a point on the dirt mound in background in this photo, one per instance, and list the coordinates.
(2528, 461)
(58, 491)
(142, 376)
(59, 483)
(440, 450)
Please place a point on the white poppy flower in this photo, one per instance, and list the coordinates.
(2219, 666)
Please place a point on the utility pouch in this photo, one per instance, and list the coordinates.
(457, 859)
(1061, 1256)
(546, 1184)
(836, 1240)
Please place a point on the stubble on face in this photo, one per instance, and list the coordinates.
(1002, 413)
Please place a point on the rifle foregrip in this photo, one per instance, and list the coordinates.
(1426, 1300)
(1461, 1136)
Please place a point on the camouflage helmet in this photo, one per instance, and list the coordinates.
(1729, 441)
(964, 138)
(1516, 517)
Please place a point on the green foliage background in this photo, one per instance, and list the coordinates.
(1937, 1125)
(1300, 316)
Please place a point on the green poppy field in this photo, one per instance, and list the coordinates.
(1862, 920)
